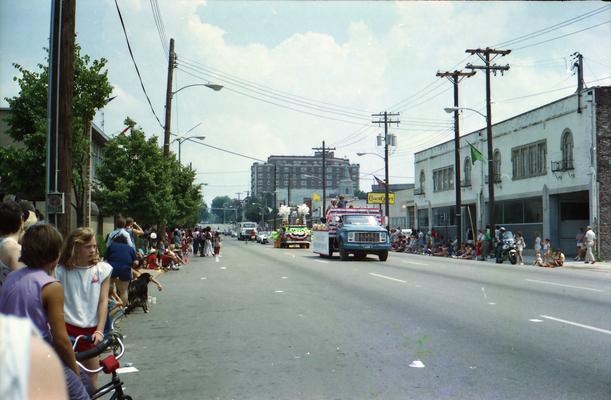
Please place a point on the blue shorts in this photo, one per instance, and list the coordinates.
(123, 273)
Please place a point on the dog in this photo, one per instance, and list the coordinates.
(138, 293)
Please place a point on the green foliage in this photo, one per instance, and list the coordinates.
(222, 202)
(23, 164)
(134, 178)
(101, 245)
(137, 180)
(253, 212)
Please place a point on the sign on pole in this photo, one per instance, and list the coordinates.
(380, 198)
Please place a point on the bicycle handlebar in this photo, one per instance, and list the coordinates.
(99, 349)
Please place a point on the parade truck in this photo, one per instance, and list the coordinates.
(295, 235)
(357, 231)
(245, 230)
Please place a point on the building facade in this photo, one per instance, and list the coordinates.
(552, 174)
(300, 177)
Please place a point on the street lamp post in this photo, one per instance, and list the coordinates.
(185, 139)
(386, 188)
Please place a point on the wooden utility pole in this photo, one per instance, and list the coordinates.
(455, 77)
(580, 84)
(388, 140)
(484, 55)
(168, 101)
(52, 109)
(66, 94)
(324, 176)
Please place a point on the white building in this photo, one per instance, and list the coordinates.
(552, 174)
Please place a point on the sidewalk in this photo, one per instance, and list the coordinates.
(604, 266)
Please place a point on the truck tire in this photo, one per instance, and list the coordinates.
(383, 255)
(343, 254)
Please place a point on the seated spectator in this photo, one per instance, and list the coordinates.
(556, 260)
(11, 229)
(152, 262)
(538, 260)
(467, 253)
(441, 251)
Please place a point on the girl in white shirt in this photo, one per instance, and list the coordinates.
(86, 282)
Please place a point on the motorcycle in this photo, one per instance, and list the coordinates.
(506, 249)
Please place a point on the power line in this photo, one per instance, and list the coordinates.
(551, 28)
(280, 92)
(129, 47)
(159, 25)
(263, 92)
(561, 36)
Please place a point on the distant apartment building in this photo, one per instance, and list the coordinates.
(301, 176)
(552, 174)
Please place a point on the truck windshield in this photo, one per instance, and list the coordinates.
(360, 220)
(248, 225)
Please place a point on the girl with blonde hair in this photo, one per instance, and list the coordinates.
(86, 282)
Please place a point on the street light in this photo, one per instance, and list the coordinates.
(386, 188)
(490, 164)
(180, 141)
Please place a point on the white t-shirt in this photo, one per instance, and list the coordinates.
(82, 288)
(590, 236)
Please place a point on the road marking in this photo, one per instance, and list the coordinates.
(592, 328)
(203, 277)
(563, 285)
(492, 304)
(413, 262)
(279, 291)
(322, 261)
(535, 320)
(387, 277)
(223, 267)
(484, 292)
(284, 277)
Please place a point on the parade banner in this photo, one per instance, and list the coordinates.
(320, 242)
(380, 198)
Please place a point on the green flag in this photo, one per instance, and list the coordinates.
(476, 154)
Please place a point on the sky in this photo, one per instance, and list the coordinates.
(297, 73)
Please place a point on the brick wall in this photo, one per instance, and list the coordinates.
(603, 161)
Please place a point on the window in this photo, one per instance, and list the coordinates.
(443, 179)
(567, 149)
(467, 172)
(497, 165)
(422, 178)
(529, 160)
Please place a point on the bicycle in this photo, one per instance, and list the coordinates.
(109, 364)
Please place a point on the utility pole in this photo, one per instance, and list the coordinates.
(288, 189)
(484, 55)
(388, 140)
(66, 94)
(275, 200)
(168, 100)
(324, 175)
(455, 77)
(580, 84)
(52, 109)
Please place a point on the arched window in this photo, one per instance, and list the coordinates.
(467, 172)
(422, 181)
(566, 146)
(497, 165)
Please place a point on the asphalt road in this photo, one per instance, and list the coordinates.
(265, 323)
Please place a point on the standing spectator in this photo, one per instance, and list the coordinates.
(478, 244)
(537, 243)
(11, 229)
(486, 242)
(546, 249)
(196, 241)
(217, 244)
(341, 203)
(579, 245)
(133, 229)
(589, 238)
(520, 245)
(86, 282)
(120, 230)
(33, 293)
(121, 257)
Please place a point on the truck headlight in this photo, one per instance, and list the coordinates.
(351, 236)
(382, 237)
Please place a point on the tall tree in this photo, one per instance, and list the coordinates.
(22, 165)
(187, 196)
(218, 203)
(134, 180)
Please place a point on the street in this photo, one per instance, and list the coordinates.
(265, 323)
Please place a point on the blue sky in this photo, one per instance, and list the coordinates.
(348, 59)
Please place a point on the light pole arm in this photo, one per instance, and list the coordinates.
(214, 87)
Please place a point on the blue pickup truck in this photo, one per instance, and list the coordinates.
(356, 231)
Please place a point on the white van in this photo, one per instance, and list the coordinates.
(245, 230)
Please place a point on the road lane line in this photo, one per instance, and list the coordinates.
(322, 261)
(592, 328)
(563, 285)
(413, 262)
(387, 277)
